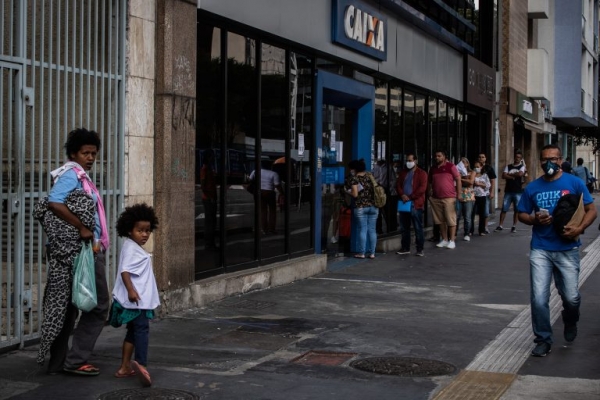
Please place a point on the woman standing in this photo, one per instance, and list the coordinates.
(365, 212)
(74, 214)
(482, 190)
(464, 205)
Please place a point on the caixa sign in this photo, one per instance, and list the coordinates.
(360, 27)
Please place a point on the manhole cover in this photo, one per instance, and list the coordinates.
(403, 366)
(149, 394)
(323, 358)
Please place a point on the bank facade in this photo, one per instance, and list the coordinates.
(309, 86)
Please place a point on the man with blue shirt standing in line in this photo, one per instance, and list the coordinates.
(553, 254)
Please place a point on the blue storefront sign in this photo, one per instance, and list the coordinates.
(333, 175)
(360, 27)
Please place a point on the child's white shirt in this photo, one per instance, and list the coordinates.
(135, 260)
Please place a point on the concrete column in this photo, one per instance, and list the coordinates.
(175, 131)
(139, 120)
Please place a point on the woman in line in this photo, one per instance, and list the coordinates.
(464, 205)
(482, 190)
(365, 212)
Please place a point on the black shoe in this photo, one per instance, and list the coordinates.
(513, 229)
(570, 332)
(498, 228)
(403, 251)
(542, 349)
(419, 253)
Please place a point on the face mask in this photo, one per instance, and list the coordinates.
(410, 164)
(550, 168)
(478, 170)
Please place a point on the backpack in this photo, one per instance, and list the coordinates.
(379, 193)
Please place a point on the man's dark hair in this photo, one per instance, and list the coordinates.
(133, 214)
(80, 137)
(415, 156)
(580, 161)
(518, 152)
(361, 166)
(353, 164)
(551, 147)
(441, 151)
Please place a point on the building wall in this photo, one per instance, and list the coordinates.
(139, 116)
(515, 51)
(412, 55)
(546, 42)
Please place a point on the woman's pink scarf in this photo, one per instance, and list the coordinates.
(90, 188)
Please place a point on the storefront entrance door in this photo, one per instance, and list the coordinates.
(346, 124)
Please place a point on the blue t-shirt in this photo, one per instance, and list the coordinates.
(542, 194)
(65, 185)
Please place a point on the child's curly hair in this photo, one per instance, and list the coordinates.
(133, 214)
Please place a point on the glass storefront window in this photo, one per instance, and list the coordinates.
(410, 140)
(301, 138)
(209, 131)
(442, 131)
(273, 125)
(239, 161)
(432, 133)
(420, 126)
(453, 148)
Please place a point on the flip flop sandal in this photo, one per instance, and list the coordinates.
(84, 370)
(127, 375)
(142, 374)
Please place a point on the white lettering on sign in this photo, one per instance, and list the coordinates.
(527, 106)
(364, 28)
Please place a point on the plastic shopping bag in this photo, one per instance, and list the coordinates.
(84, 279)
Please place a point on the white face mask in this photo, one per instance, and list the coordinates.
(410, 164)
(478, 170)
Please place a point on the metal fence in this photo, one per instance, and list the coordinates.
(62, 65)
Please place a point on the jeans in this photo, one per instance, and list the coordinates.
(138, 331)
(564, 266)
(366, 218)
(510, 198)
(479, 209)
(416, 218)
(464, 209)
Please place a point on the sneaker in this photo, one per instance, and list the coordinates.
(570, 332)
(403, 251)
(513, 229)
(451, 245)
(467, 238)
(487, 232)
(419, 253)
(499, 228)
(542, 349)
(442, 243)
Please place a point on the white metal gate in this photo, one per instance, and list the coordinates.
(62, 66)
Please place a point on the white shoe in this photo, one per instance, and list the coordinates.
(451, 245)
(334, 239)
(442, 243)
(467, 238)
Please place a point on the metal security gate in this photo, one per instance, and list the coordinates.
(62, 66)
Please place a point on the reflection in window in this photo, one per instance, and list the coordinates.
(274, 92)
(442, 131)
(209, 130)
(301, 138)
(409, 122)
(420, 126)
(239, 161)
(432, 134)
(453, 155)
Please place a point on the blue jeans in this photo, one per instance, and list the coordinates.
(366, 219)
(138, 331)
(416, 218)
(464, 209)
(510, 198)
(564, 266)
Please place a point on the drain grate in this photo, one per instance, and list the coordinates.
(146, 394)
(403, 366)
(248, 304)
(328, 358)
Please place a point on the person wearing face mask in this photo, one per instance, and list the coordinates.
(411, 185)
(481, 186)
(553, 254)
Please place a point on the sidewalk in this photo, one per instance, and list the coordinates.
(466, 307)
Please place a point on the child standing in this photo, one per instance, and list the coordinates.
(135, 295)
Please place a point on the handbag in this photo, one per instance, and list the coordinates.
(84, 280)
(379, 196)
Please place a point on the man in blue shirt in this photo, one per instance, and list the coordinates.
(551, 253)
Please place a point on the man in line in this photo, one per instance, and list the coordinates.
(553, 254)
(444, 188)
(491, 173)
(411, 186)
(513, 174)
